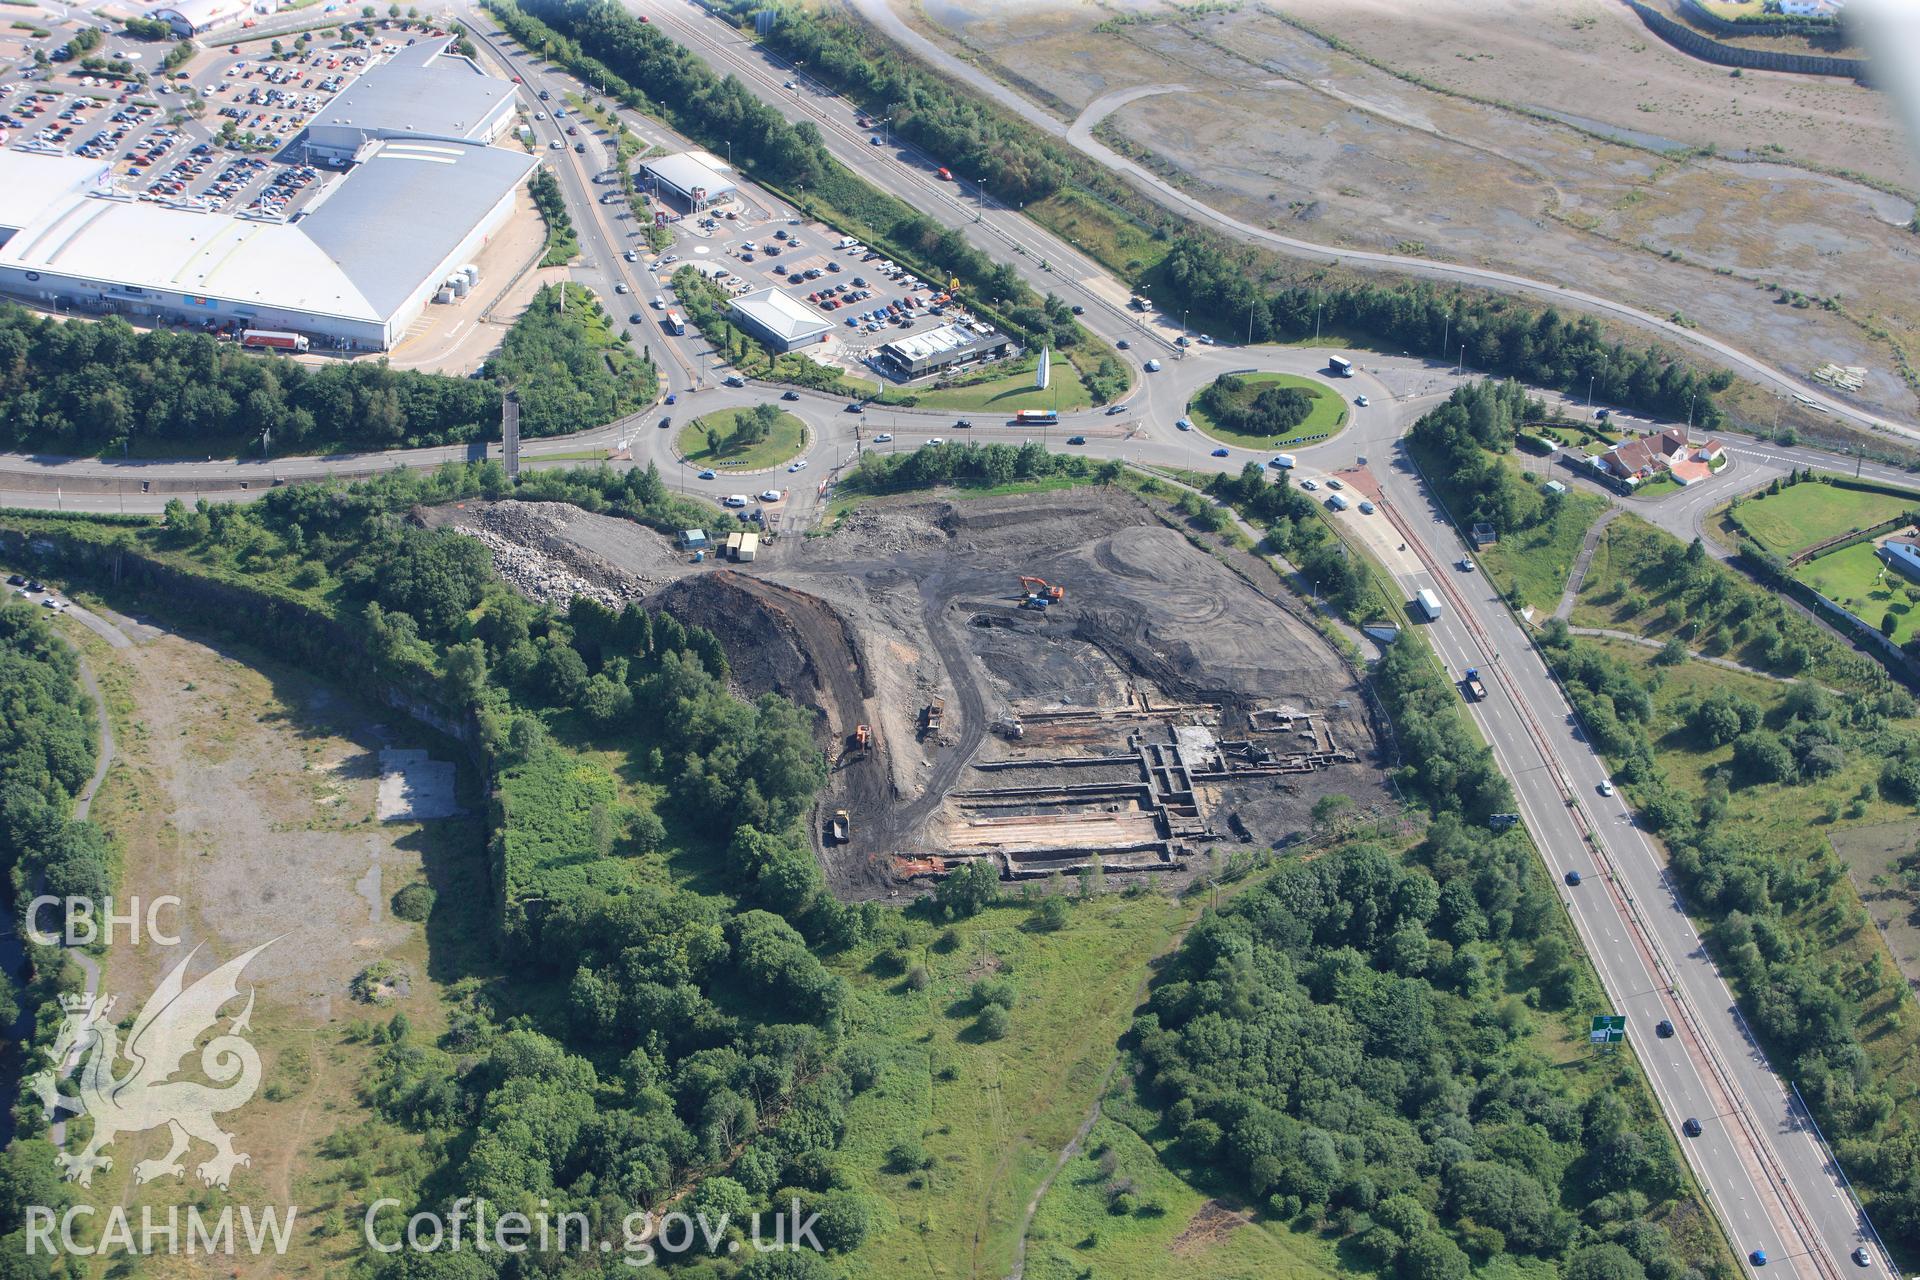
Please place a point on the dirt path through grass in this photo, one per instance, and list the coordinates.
(1072, 1149)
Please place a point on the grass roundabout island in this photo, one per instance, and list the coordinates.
(1268, 410)
(752, 439)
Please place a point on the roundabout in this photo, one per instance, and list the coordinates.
(749, 438)
(1230, 408)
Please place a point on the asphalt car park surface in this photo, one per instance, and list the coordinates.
(71, 112)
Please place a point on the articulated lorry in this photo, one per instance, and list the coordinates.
(272, 340)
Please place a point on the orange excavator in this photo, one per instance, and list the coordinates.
(1039, 593)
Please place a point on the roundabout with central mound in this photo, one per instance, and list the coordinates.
(729, 438)
(1227, 408)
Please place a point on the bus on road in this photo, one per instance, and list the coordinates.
(1340, 366)
(675, 322)
(1035, 417)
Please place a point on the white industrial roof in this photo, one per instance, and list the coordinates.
(690, 170)
(360, 252)
(778, 313)
(422, 89)
(948, 337)
(28, 189)
(200, 13)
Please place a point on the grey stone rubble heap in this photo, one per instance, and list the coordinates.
(534, 561)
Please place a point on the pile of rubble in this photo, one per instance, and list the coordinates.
(537, 561)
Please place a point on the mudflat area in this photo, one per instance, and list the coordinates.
(1561, 140)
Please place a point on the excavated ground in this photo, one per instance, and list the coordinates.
(917, 599)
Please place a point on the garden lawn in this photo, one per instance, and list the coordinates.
(1012, 389)
(1801, 515)
(1857, 581)
(991, 1115)
(1535, 562)
(788, 438)
(1329, 413)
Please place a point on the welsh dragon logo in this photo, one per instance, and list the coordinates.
(145, 1097)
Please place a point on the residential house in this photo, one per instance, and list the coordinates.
(1637, 460)
(1903, 553)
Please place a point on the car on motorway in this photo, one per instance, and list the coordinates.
(963, 423)
(856, 407)
(621, 287)
(1862, 1258)
(937, 440)
(1663, 1029)
(1573, 878)
(1124, 345)
(1183, 424)
(1758, 1257)
(1223, 453)
(1606, 788)
(1366, 508)
(637, 317)
(631, 256)
(874, 141)
(1076, 439)
(1309, 485)
(1361, 401)
(798, 464)
(706, 475)
(554, 145)
(789, 395)
(666, 420)
(1691, 1127)
(672, 398)
(1153, 366)
(885, 437)
(1113, 409)
(1079, 310)
(1464, 564)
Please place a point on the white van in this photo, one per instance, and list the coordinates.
(1282, 462)
(847, 242)
(736, 500)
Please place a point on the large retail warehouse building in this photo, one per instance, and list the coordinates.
(352, 270)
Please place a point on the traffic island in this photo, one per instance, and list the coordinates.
(1254, 411)
(757, 438)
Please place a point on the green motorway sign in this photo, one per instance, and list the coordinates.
(1608, 1028)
